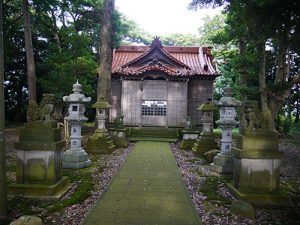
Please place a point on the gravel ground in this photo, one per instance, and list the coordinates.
(75, 214)
(210, 212)
(220, 213)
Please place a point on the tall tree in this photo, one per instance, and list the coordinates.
(3, 195)
(105, 63)
(272, 41)
(29, 52)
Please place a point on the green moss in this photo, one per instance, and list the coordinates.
(209, 189)
(120, 142)
(101, 104)
(187, 144)
(85, 184)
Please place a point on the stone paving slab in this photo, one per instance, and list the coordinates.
(147, 190)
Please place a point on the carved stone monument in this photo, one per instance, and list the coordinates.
(76, 157)
(39, 162)
(223, 162)
(101, 141)
(257, 161)
(206, 140)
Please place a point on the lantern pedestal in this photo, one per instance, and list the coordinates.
(205, 143)
(256, 171)
(101, 141)
(39, 164)
(189, 138)
(119, 137)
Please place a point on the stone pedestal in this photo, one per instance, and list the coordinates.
(100, 142)
(119, 137)
(39, 163)
(75, 157)
(256, 171)
(189, 138)
(204, 143)
(223, 162)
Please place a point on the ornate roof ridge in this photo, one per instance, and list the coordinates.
(156, 44)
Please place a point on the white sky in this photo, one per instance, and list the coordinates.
(164, 16)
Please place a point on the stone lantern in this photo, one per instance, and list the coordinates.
(101, 141)
(76, 157)
(223, 162)
(206, 140)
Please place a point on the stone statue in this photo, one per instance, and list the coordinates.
(47, 107)
(188, 123)
(254, 120)
(33, 112)
(251, 116)
(119, 121)
(48, 110)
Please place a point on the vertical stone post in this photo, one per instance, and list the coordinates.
(223, 162)
(76, 157)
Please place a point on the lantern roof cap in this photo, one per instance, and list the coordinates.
(207, 106)
(101, 104)
(227, 99)
(76, 97)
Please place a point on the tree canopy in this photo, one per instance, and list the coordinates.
(266, 34)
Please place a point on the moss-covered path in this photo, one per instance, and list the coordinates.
(147, 190)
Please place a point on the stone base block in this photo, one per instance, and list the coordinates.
(260, 199)
(40, 191)
(75, 159)
(204, 145)
(222, 163)
(100, 142)
(76, 165)
(187, 144)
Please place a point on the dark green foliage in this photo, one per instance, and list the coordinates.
(65, 37)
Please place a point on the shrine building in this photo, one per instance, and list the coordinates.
(158, 85)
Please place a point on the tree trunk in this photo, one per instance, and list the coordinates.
(104, 79)
(267, 121)
(242, 82)
(55, 29)
(29, 53)
(3, 195)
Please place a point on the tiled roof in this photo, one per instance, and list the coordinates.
(174, 61)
